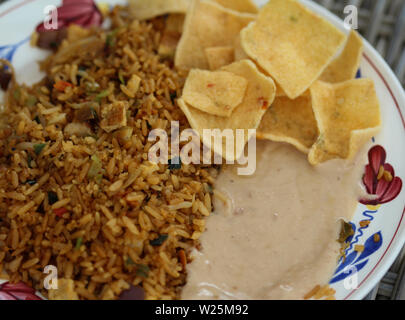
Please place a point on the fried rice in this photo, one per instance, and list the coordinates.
(76, 188)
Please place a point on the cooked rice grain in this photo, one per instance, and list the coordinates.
(91, 203)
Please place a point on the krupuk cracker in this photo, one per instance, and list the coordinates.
(259, 96)
(218, 57)
(345, 66)
(290, 121)
(147, 9)
(208, 25)
(347, 114)
(292, 44)
(239, 5)
(215, 92)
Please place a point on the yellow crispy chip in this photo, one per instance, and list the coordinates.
(239, 5)
(171, 35)
(292, 44)
(290, 121)
(280, 92)
(218, 57)
(208, 24)
(346, 65)
(240, 54)
(214, 92)
(147, 9)
(175, 22)
(259, 95)
(348, 115)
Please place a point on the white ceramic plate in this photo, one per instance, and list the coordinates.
(18, 19)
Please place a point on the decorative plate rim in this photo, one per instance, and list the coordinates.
(392, 84)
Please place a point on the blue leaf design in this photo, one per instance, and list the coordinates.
(9, 55)
(358, 75)
(366, 214)
(339, 277)
(353, 258)
(349, 259)
(349, 272)
(371, 246)
(7, 52)
(360, 265)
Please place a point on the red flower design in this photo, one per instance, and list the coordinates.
(81, 12)
(379, 178)
(17, 291)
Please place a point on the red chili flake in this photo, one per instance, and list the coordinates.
(263, 102)
(182, 258)
(62, 85)
(210, 85)
(59, 212)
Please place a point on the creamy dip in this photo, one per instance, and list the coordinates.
(275, 237)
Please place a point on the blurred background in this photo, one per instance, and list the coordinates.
(382, 23)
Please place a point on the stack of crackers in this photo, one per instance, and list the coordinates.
(281, 70)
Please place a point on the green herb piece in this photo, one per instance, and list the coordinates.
(39, 147)
(121, 77)
(29, 159)
(96, 169)
(79, 242)
(17, 94)
(142, 270)
(111, 38)
(31, 101)
(110, 41)
(52, 197)
(175, 163)
(293, 19)
(129, 262)
(102, 95)
(98, 178)
(159, 240)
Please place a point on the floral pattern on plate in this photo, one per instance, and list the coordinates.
(383, 186)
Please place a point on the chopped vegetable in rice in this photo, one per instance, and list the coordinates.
(76, 189)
